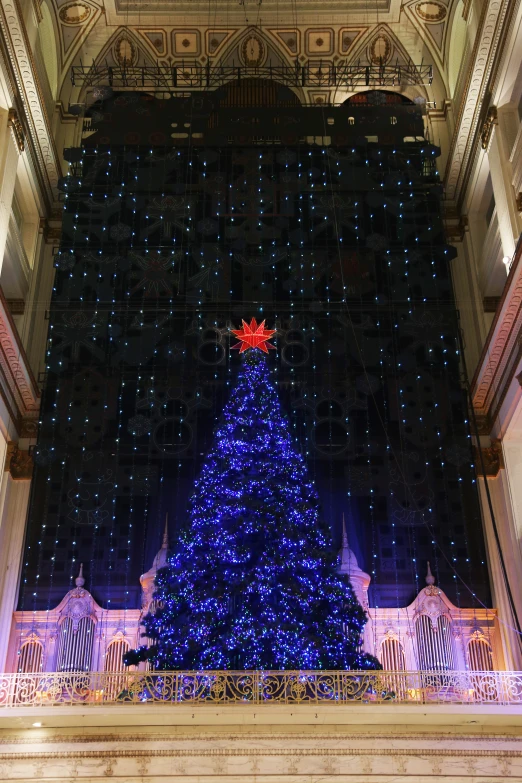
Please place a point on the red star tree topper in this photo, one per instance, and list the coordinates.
(253, 336)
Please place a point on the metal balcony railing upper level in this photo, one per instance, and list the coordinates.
(260, 687)
(194, 76)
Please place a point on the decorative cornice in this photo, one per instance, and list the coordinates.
(305, 752)
(506, 51)
(502, 350)
(481, 64)
(332, 736)
(24, 70)
(16, 378)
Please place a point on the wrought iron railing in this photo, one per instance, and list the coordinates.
(260, 687)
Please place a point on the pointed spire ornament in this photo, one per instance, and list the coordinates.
(349, 562)
(430, 579)
(165, 542)
(359, 579)
(162, 556)
(80, 581)
(160, 561)
(345, 536)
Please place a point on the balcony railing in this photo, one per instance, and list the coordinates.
(259, 687)
(193, 76)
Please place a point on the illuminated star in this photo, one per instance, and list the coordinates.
(253, 336)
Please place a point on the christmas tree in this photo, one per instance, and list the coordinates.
(253, 582)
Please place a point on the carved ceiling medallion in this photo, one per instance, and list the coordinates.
(253, 51)
(74, 13)
(380, 49)
(431, 11)
(125, 51)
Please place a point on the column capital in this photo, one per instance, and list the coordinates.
(18, 462)
(490, 457)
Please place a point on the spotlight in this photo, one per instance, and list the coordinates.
(37, 725)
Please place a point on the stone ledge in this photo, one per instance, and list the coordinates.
(413, 718)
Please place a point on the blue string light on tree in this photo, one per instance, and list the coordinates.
(253, 582)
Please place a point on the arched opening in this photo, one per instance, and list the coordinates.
(115, 682)
(114, 653)
(377, 98)
(255, 92)
(30, 657)
(480, 656)
(393, 661)
(392, 656)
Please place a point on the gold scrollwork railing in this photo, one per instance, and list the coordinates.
(259, 687)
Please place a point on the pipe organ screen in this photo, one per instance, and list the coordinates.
(392, 656)
(435, 644)
(30, 657)
(114, 655)
(75, 646)
(114, 663)
(480, 656)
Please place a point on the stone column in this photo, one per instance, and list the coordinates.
(11, 144)
(508, 530)
(14, 499)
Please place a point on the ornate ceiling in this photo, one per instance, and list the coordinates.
(248, 33)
